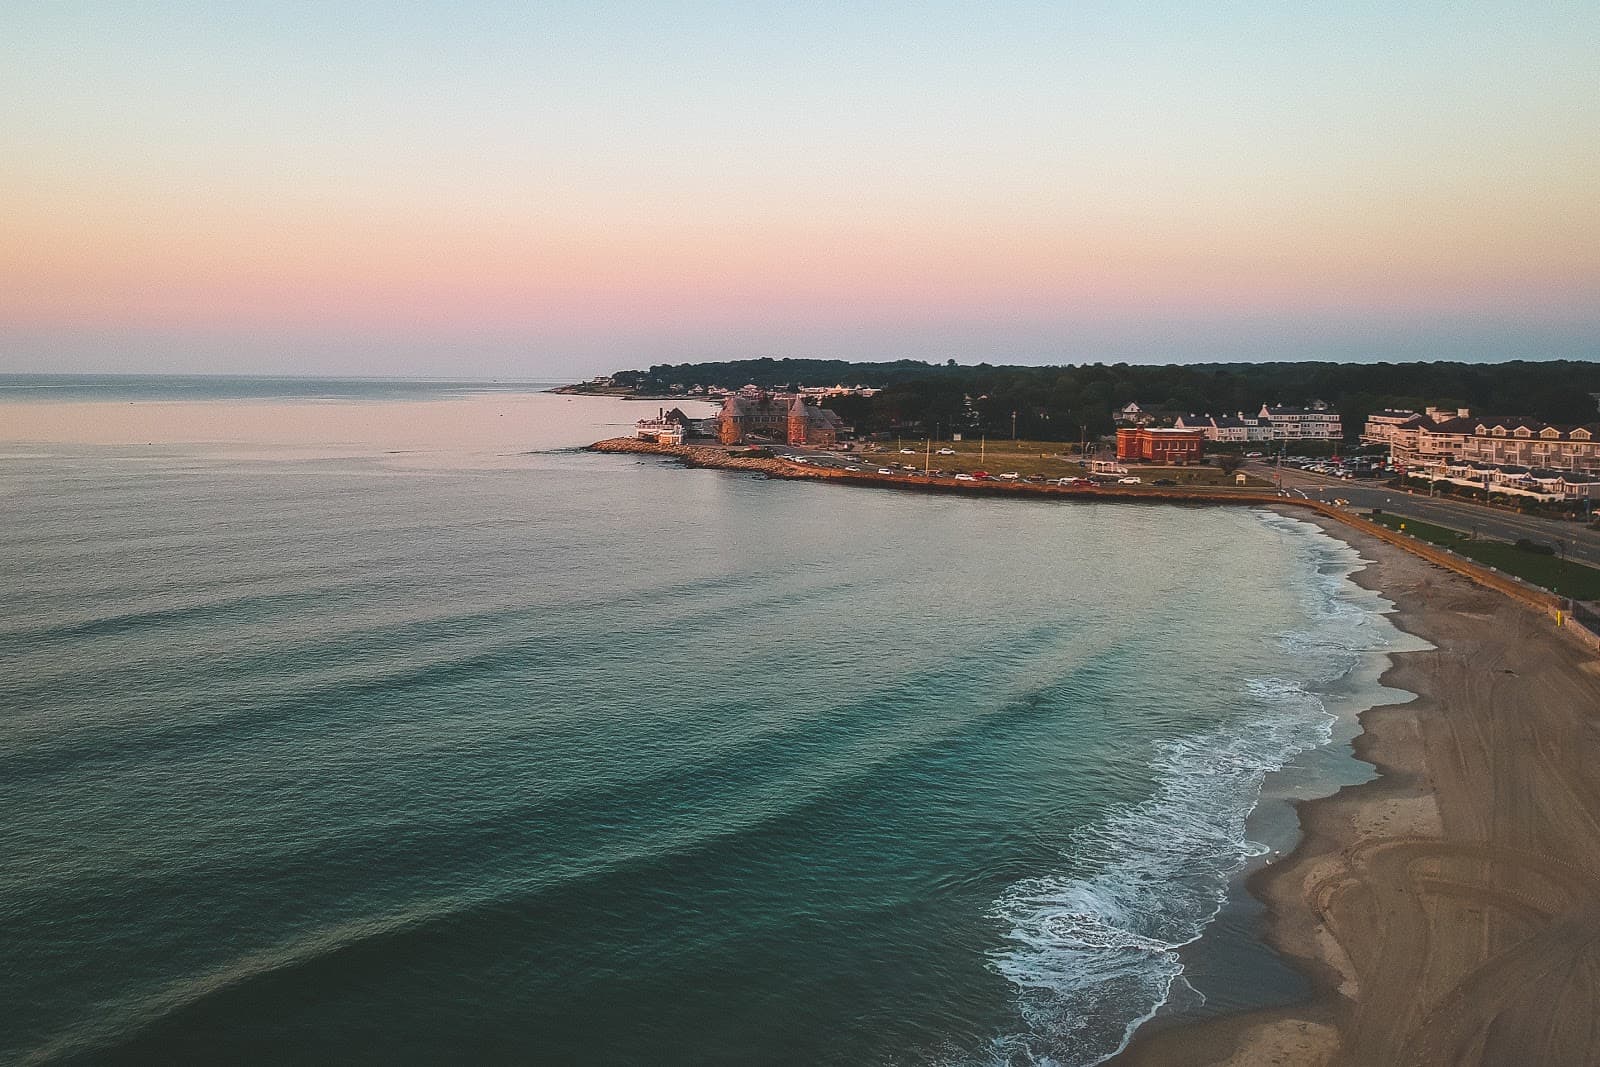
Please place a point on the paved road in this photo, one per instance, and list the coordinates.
(1581, 543)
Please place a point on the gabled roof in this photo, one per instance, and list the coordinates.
(824, 416)
(1511, 424)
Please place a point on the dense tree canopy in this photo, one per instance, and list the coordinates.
(1060, 403)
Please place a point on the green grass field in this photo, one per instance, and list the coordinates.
(996, 457)
(1048, 458)
(1566, 578)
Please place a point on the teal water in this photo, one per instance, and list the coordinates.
(589, 759)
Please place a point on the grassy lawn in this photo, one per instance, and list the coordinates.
(1052, 459)
(1192, 475)
(997, 457)
(1566, 578)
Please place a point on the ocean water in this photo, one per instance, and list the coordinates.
(335, 751)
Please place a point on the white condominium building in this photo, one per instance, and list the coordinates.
(1315, 423)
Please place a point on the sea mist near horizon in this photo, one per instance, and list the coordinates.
(357, 745)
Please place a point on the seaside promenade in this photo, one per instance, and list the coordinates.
(1581, 543)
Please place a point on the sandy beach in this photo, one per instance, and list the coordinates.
(1448, 912)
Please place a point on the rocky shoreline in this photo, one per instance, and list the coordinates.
(719, 457)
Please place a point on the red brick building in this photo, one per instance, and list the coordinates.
(1151, 444)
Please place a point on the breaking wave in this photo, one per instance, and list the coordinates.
(1092, 956)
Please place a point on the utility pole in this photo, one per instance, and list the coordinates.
(1013, 426)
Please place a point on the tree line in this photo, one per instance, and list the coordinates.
(1062, 403)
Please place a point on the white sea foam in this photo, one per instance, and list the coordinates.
(1094, 956)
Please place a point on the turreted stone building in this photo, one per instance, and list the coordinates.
(777, 417)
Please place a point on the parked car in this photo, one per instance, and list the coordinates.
(1011, 476)
(1163, 481)
(1128, 481)
(965, 478)
(1252, 455)
(947, 451)
(885, 470)
(908, 452)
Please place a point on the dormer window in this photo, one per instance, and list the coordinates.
(1523, 431)
(1498, 431)
(1581, 435)
(1550, 433)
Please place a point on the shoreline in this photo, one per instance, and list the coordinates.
(717, 458)
(1445, 912)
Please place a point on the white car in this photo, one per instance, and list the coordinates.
(885, 470)
(798, 459)
(947, 451)
(908, 452)
(965, 478)
(1011, 477)
(1127, 481)
(857, 469)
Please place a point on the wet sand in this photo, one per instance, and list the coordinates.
(1448, 912)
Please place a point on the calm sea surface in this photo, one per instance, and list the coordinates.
(329, 750)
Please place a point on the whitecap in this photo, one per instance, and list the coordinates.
(1092, 956)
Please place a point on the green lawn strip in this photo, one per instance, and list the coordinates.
(1566, 578)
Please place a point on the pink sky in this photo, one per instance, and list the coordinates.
(749, 191)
